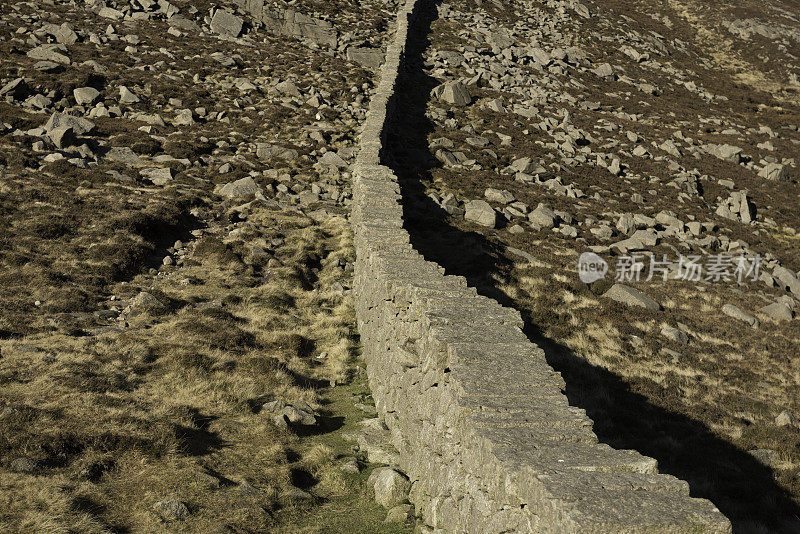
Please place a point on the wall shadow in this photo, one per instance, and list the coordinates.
(739, 485)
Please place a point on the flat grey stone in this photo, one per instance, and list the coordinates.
(62, 137)
(543, 216)
(480, 212)
(673, 334)
(501, 196)
(242, 188)
(79, 125)
(126, 96)
(632, 297)
(50, 52)
(17, 88)
(124, 155)
(778, 311)
(226, 23)
(86, 95)
(737, 313)
(399, 514)
(157, 175)
(787, 418)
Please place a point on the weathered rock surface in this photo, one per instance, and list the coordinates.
(631, 296)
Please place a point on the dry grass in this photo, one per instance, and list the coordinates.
(170, 408)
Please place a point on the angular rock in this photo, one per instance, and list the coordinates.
(126, 96)
(50, 52)
(626, 224)
(787, 279)
(79, 125)
(110, 13)
(632, 297)
(184, 117)
(543, 216)
(775, 172)
(787, 418)
(17, 88)
(737, 313)
(242, 188)
(157, 175)
(479, 211)
(673, 334)
(499, 196)
(399, 514)
(455, 93)
(66, 34)
(226, 23)
(267, 151)
(725, 152)
(62, 137)
(778, 311)
(86, 95)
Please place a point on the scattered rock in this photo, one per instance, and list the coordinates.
(632, 297)
(17, 88)
(775, 172)
(499, 196)
(455, 93)
(673, 334)
(480, 212)
(86, 95)
(787, 418)
(543, 216)
(126, 96)
(284, 414)
(350, 466)
(50, 52)
(226, 23)
(158, 175)
(737, 313)
(240, 189)
(778, 311)
(79, 125)
(376, 442)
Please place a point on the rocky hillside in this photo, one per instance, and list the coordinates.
(662, 138)
(176, 328)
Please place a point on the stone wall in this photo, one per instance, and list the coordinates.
(480, 420)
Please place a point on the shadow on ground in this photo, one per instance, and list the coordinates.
(740, 486)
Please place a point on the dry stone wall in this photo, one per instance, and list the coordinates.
(480, 420)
